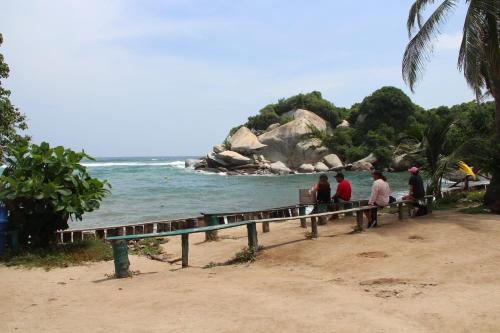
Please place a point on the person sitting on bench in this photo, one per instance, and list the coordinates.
(322, 192)
(416, 193)
(379, 197)
(343, 193)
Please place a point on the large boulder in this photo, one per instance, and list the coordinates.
(244, 141)
(272, 126)
(306, 168)
(370, 159)
(280, 168)
(333, 161)
(282, 141)
(344, 124)
(361, 166)
(308, 151)
(321, 167)
(232, 158)
(213, 161)
(218, 149)
(401, 162)
(194, 163)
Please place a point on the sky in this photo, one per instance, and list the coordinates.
(158, 78)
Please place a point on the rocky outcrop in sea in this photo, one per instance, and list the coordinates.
(280, 149)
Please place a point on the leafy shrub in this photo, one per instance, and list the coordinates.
(384, 157)
(262, 120)
(356, 153)
(313, 102)
(43, 187)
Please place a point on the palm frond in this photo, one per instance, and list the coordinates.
(419, 48)
(479, 55)
(415, 15)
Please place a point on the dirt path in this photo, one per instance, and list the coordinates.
(434, 274)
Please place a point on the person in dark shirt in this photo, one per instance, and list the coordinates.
(322, 190)
(416, 192)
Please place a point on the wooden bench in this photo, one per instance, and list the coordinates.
(120, 247)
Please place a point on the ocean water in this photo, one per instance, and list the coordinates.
(153, 188)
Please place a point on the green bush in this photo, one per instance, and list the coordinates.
(262, 120)
(43, 187)
(384, 157)
(356, 153)
(313, 102)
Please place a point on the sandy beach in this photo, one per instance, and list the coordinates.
(433, 274)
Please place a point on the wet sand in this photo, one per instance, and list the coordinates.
(432, 274)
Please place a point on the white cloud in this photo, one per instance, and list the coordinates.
(82, 85)
(447, 42)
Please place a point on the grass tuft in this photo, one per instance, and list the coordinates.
(62, 255)
(459, 200)
(147, 247)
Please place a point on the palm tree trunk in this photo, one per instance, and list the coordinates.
(492, 196)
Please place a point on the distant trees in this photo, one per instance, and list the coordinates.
(11, 119)
(387, 106)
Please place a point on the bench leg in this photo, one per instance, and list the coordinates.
(348, 205)
(211, 220)
(322, 208)
(302, 212)
(314, 227)
(429, 204)
(359, 221)
(120, 258)
(253, 243)
(185, 250)
(400, 211)
(265, 226)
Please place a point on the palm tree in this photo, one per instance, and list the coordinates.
(434, 142)
(478, 57)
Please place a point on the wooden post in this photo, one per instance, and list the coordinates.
(185, 250)
(210, 220)
(400, 210)
(359, 221)
(348, 205)
(322, 208)
(314, 227)
(265, 226)
(120, 257)
(253, 242)
(302, 212)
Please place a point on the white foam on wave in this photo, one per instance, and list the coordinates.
(174, 164)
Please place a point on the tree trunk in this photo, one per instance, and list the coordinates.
(492, 196)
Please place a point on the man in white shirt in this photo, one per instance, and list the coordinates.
(379, 197)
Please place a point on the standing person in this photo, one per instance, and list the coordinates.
(379, 197)
(416, 192)
(343, 193)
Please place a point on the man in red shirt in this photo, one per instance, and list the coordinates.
(343, 189)
(343, 193)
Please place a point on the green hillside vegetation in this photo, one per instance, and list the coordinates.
(274, 113)
(388, 123)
